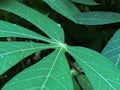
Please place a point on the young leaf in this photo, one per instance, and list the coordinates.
(51, 73)
(86, 2)
(102, 74)
(13, 30)
(97, 18)
(64, 7)
(112, 49)
(12, 52)
(52, 29)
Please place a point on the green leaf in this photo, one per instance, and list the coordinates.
(97, 18)
(76, 85)
(51, 73)
(64, 7)
(83, 81)
(52, 29)
(13, 30)
(86, 2)
(102, 74)
(12, 52)
(40, 6)
(112, 49)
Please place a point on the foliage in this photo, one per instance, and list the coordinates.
(53, 71)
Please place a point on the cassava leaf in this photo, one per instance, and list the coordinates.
(13, 30)
(41, 6)
(83, 81)
(112, 49)
(75, 84)
(86, 2)
(64, 7)
(97, 18)
(52, 29)
(51, 73)
(12, 52)
(102, 74)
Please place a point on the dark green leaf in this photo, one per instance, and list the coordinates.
(87, 2)
(112, 49)
(97, 18)
(83, 81)
(76, 85)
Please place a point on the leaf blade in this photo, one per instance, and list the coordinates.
(98, 69)
(82, 79)
(13, 30)
(86, 2)
(97, 18)
(50, 69)
(111, 50)
(64, 7)
(17, 51)
(48, 26)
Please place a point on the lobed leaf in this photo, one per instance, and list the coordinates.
(112, 49)
(13, 30)
(52, 29)
(52, 73)
(12, 52)
(75, 84)
(97, 18)
(64, 7)
(102, 74)
(86, 2)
